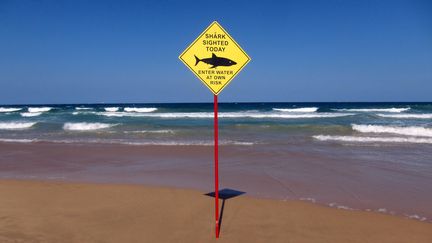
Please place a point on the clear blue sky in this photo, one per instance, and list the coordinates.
(127, 51)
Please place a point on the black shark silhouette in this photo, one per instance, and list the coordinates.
(215, 61)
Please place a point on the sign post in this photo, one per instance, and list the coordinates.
(215, 58)
(216, 163)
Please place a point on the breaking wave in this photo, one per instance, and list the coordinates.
(39, 109)
(134, 109)
(3, 109)
(391, 110)
(409, 131)
(278, 115)
(226, 115)
(373, 139)
(85, 126)
(15, 140)
(83, 108)
(111, 109)
(84, 112)
(303, 109)
(407, 116)
(30, 114)
(16, 125)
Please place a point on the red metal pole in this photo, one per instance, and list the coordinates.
(216, 168)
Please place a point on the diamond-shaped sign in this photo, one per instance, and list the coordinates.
(215, 58)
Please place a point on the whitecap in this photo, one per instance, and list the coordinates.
(139, 110)
(409, 131)
(9, 109)
(13, 140)
(16, 125)
(85, 126)
(111, 109)
(360, 139)
(82, 112)
(302, 109)
(39, 109)
(83, 108)
(30, 114)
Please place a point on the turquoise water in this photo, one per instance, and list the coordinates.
(367, 156)
(240, 123)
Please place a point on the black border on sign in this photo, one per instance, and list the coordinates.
(196, 74)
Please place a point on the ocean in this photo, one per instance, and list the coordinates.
(240, 123)
(354, 156)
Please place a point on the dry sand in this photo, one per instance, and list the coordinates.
(32, 211)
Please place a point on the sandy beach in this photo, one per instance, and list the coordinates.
(331, 177)
(302, 121)
(36, 211)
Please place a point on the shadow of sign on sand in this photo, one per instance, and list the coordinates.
(225, 194)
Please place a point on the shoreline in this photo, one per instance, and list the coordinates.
(291, 175)
(46, 211)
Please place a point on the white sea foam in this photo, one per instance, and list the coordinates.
(39, 109)
(409, 131)
(236, 143)
(373, 139)
(381, 210)
(281, 115)
(139, 110)
(115, 114)
(16, 125)
(417, 217)
(13, 140)
(150, 131)
(407, 116)
(84, 112)
(169, 143)
(301, 110)
(9, 109)
(111, 109)
(30, 114)
(309, 199)
(275, 115)
(85, 126)
(83, 108)
(335, 205)
(392, 110)
(136, 143)
(186, 143)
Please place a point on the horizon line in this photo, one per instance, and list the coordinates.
(239, 102)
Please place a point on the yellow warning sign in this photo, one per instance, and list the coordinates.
(215, 58)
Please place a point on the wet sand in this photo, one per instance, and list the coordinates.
(35, 211)
(336, 177)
